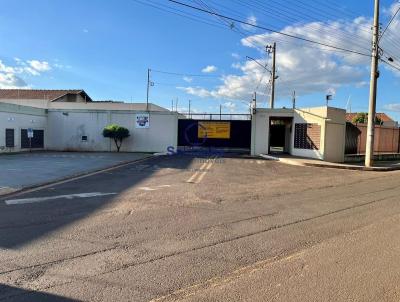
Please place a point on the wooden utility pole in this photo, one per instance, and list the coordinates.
(369, 152)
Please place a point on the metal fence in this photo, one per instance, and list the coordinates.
(387, 139)
(217, 116)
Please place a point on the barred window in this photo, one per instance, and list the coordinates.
(307, 136)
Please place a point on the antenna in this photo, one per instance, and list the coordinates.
(348, 105)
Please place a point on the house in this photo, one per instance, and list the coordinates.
(386, 120)
(67, 99)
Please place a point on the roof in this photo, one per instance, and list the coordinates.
(382, 116)
(39, 94)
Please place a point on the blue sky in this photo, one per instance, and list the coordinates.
(105, 47)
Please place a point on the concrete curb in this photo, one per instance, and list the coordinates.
(330, 166)
(73, 177)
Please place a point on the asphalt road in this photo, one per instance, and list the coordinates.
(185, 228)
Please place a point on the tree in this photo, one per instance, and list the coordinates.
(362, 118)
(117, 133)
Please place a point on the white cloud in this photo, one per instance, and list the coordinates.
(188, 79)
(235, 55)
(209, 69)
(251, 20)
(230, 105)
(331, 91)
(198, 91)
(11, 77)
(85, 30)
(303, 67)
(392, 107)
(11, 81)
(39, 65)
(236, 65)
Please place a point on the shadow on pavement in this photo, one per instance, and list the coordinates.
(10, 293)
(23, 223)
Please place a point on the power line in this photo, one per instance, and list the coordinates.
(268, 29)
(390, 22)
(279, 9)
(182, 14)
(226, 23)
(289, 15)
(390, 64)
(187, 74)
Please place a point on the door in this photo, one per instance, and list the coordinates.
(37, 140)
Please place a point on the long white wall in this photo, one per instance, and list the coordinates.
(17, 118)
(66, 128)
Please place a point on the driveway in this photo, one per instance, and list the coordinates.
(30, 169)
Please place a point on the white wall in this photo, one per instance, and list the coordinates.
(260, 128)
(335, 135)
(17, 118)
(67, 127)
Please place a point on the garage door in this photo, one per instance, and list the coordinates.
(37, 140)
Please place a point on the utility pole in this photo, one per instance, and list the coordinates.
(177, 100)
(369, 152)
(220, 112)
(294, 100)
(272, 49)
(148, 89)
(189, 108)
(172, 105)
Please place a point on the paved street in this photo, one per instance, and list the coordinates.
(192, 229)
(43, 167)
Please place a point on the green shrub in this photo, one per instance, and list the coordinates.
(117, 133)
(362, 118)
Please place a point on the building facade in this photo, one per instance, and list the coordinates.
(68, 120)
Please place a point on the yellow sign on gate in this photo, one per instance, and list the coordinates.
(220, 130)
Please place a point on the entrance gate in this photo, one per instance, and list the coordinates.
(211, 133)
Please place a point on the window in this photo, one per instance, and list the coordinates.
(84, 138)
(10, 143)
(307, 136)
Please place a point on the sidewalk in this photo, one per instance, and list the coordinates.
(306, 162)
(28, 170)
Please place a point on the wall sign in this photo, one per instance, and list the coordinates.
(142, 121)
(219, 130)
(30, 133)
